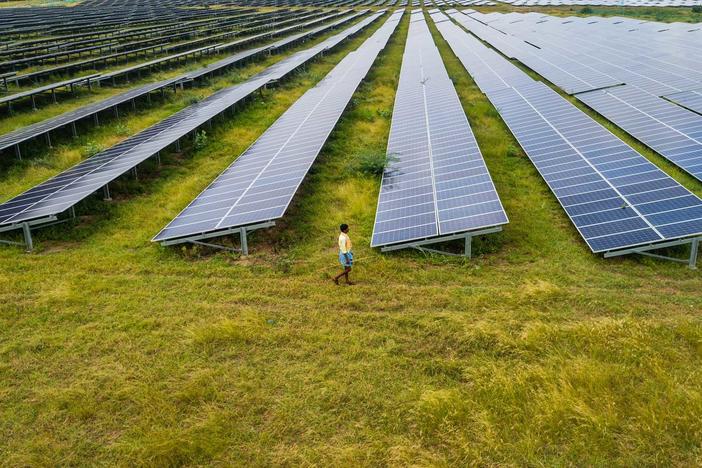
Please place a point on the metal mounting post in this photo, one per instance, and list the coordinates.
(694, 250)
(244, 241)
(29, 244)
(422, 244)
(645, 250)
(242, 231)
(74, 130)
(106, 192)
(18, 151)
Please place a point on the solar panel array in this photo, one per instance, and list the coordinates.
(205, 38)
(261, 183)
(436, 182)
(73, 185)
(591, 51)
(605, 3)
(32, 131)
(615, 197)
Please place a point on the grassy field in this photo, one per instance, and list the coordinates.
(116, 351)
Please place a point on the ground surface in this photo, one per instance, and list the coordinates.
(114, 350)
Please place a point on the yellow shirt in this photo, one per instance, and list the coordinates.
(344, 243)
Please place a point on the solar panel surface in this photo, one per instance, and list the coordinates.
(436, 182)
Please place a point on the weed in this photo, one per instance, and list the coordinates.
(200, 140)
(374, 164)
(91, 148)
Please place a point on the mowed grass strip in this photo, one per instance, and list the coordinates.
(117, 351)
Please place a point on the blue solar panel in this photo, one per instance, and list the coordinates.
(691, 99)
(437, 182)
(672, 131)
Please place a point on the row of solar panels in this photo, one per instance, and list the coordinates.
(437, 183)
(615, 197)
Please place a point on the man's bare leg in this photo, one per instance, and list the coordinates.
(337, 277)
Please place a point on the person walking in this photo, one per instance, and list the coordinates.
(345, 254)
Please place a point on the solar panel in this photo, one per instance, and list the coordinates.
(436, 182)
(68, 188)
(31, 131)
(691, 99)
(52, 88)
(260, 184)
(566, 72)
(661, 125)
(615, 197)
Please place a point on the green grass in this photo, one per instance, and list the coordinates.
(114, 350)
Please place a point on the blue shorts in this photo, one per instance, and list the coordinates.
(342, 259)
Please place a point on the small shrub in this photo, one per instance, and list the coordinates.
(91, 149)
(374, 163)
(385, 113)
(697, 9)
(121, 129)
(512, 151)
(586, 10)
(200, 140)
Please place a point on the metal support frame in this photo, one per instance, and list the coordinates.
(646, 250)
(26, 227)
(242, 231)
(420, 244)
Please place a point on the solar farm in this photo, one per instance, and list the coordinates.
(522, 182)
